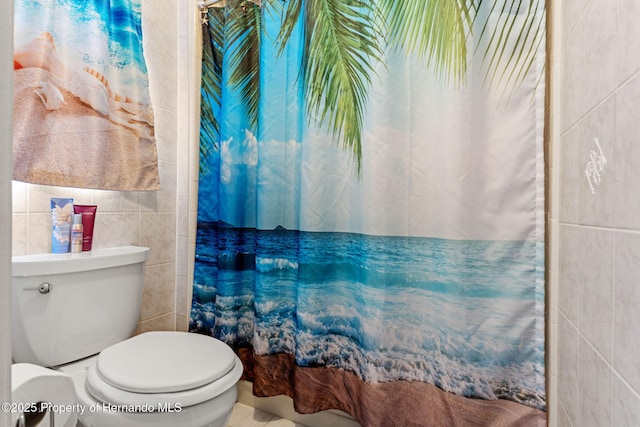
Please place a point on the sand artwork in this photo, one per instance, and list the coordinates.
(82, 113)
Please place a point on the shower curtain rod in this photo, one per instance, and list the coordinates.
(208, 3)
(205, 4)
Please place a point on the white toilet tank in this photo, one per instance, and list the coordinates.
(70, 306)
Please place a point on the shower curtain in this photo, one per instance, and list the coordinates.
(371, 206)
(82, 114)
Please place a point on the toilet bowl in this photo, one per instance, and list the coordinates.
(157, 378)
(77, 314)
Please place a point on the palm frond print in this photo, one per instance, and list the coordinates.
(344, 39)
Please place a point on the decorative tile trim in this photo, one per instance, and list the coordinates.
(595, 166)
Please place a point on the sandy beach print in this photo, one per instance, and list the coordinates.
(82, 110)
(74, 145)
(391, 404)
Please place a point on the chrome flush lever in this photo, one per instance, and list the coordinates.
(44, 288)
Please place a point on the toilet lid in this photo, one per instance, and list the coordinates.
(148, 402)
(164, 362)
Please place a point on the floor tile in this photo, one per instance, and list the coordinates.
(246, 416)
(283, 422)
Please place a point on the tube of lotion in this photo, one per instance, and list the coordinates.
(88, 218)
(61, 211)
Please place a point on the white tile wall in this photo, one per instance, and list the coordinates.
(188, 157)
(626, 158)
(595, 57)
(589, 72)
(625, 408)
(6, 107)
(594, 389)
(626, 345)
(567, 367)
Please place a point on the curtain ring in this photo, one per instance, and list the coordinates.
(204, 15)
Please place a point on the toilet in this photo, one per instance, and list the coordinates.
(76, 313)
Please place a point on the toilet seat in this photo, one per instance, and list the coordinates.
(163, 368)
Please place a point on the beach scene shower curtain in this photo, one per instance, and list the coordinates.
(82, 113)
(371, 206)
